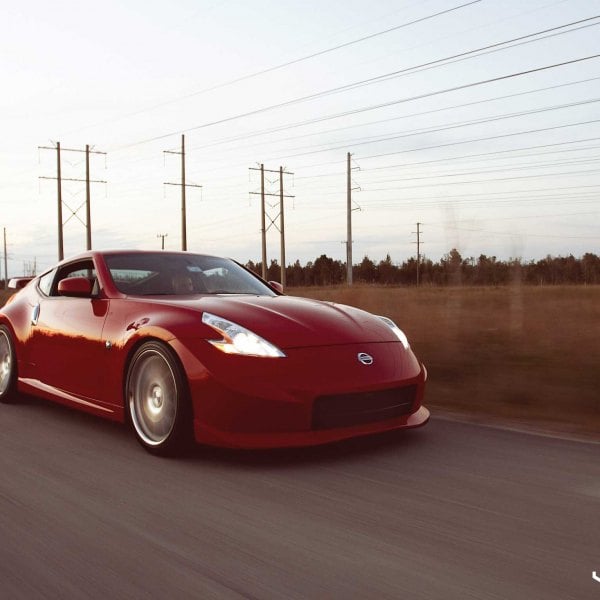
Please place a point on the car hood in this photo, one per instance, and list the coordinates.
(291, 322)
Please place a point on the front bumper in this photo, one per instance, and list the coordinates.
(263, 440)
(245, 402)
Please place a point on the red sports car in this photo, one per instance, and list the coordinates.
(191, 347)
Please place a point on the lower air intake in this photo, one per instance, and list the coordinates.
(346, 410)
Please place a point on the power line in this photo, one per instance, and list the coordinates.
(483, 202)
(479, 195)
(508, 168)
(450, 143)
(462, 156)
(483, 139)
(466, 156)
(368, 108)
(487, 171)
(289, 63)
(379, 121)
(446, 127)
(384, 167)
(445, 225)
(354, 85)
(484, 50)
(345, 45)
(495, 153)
(486, 180)
(406, 168)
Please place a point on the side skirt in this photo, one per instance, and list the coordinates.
(34, 387)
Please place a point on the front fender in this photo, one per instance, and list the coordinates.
(131, 323)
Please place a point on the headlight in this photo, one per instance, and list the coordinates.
(238, 339)
(399, 333)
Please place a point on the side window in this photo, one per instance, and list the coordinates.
(82, 272)
(45, 282)
(83, 268)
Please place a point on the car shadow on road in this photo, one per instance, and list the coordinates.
(391, 442)
(57, 415)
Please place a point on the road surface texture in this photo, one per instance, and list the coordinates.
(451, 511)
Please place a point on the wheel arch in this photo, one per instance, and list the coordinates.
(4, 320)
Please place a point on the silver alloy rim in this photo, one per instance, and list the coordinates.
(5, 362)
(152, 397)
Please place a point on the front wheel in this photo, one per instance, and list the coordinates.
(157, 400)
(8, 366)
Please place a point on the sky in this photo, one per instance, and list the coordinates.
(477, 119)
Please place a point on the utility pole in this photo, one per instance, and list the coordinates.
(264, 215)
(5, 263)
(74, 212)
(162, 236)
(349, 210)
(263, 229)
(88, 208)
(282, 227)
(183, 185)
(61, 249)
(418, 242)
(349, 221)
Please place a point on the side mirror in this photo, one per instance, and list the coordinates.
(75, 286)
(17, 283)
(276, 286)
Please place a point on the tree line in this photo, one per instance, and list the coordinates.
(451, 269)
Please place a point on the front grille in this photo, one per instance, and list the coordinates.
(345, 410)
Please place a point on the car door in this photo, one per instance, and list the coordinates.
(67, 348)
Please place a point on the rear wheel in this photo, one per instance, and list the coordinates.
(8, 366)
(157, 400)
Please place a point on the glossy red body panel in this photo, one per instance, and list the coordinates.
(76, 351)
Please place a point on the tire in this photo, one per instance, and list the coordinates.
(158, 401)
(8, 367)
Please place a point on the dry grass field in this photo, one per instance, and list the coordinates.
(529, 355)
(523, 354)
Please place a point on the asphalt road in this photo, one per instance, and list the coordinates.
(449, 511)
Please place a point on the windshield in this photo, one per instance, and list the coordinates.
(164, 273)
